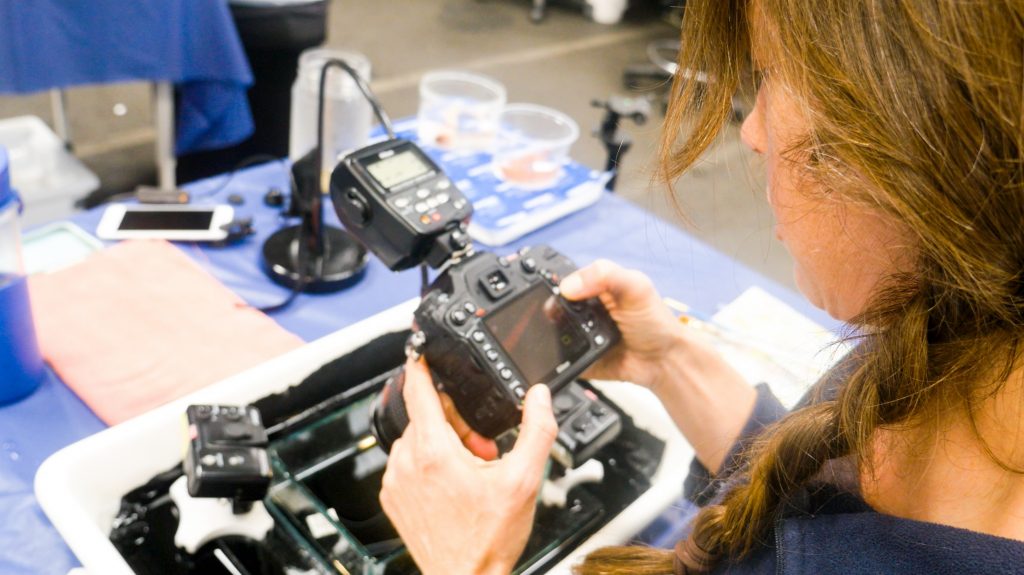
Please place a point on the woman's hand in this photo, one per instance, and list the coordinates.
(456, 513)
(649, 330)
(708, 400)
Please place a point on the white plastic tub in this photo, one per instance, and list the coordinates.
(46, 175)
(80, 487)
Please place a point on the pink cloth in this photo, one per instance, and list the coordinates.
(139, 324)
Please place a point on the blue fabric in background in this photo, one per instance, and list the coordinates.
(49, 44)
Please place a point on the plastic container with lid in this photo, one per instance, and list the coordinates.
(48, 178)
(21, 365)
(459, 110)
(533, 145)
(347, 114)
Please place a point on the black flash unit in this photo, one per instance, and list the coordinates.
(401, 204)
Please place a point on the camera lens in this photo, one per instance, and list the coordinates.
(389, 416)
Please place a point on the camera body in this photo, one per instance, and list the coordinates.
(494, 326)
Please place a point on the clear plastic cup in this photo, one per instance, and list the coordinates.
(533, 145)
(459, 110)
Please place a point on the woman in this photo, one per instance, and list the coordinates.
(892, 134)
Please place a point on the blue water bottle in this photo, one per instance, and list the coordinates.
(21, 364)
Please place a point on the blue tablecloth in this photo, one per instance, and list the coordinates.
(681, 267)
(192, 43)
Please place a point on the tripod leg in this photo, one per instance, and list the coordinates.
(537, 13)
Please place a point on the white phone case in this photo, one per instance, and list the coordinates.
(108, 228)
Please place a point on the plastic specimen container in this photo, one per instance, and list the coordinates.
(533, 145)
(459, 110)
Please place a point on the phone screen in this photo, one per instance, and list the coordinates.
(165, 220)
(540, 338)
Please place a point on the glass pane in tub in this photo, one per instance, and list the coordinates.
(326, 492)
(327, 481)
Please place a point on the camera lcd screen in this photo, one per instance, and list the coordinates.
(399, 168)
(538, 334)
(165, 220)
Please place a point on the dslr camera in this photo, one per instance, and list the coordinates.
(489, 326)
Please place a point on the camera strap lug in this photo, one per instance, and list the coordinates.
(414, 345)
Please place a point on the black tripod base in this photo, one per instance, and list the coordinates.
(341, 265)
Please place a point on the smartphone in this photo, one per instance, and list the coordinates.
(169, 222)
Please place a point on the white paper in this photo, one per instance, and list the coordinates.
(768, 341)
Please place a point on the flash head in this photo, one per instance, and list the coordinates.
(400, 204)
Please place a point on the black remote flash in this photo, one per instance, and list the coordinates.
(400, 204)
(226, 454)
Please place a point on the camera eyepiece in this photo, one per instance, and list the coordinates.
(389, 415)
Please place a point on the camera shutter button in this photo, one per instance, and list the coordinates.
(529, 265)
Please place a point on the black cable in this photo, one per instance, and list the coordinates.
(241, 165)
(424, 279)
(367, 93)
(294, 197)
(296, 290)
(310, 205)
(300, 284)
(319, 151)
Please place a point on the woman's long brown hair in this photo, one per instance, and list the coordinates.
(916, 111)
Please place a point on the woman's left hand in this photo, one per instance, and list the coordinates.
(456, 513)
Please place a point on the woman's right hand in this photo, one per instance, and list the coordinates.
(649, 330)
(709, 400)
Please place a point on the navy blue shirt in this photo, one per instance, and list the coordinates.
(827, 529)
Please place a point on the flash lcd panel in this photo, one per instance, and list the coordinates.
(399, 168)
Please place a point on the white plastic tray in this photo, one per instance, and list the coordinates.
(80, 486)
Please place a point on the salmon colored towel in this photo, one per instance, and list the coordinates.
(139, 324)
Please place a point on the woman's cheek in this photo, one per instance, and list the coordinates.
(807, 285)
